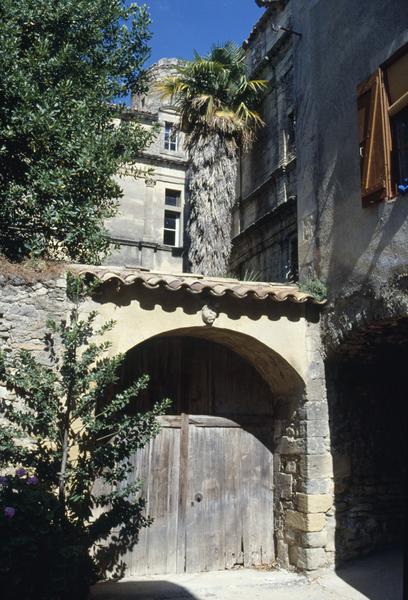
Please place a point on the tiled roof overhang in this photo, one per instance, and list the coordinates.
(199, 284)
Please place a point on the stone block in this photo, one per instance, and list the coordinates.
(313, 503)
(291, 536)
(34, 346)
(316, 466)
(285, 485)
(316, 390)
(314, 428)
(315, 370)
(314, 539)
(305, 522)
(290, 466)
(309, 559)
(314, 410)
(282, 554)
(317, 445)
(316, 486)
(288, 445)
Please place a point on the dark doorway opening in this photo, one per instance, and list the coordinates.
(367, 395)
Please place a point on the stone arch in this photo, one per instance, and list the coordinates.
(240, 427)
(277, 337)
(271, 335)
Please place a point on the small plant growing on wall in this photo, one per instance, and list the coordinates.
(315, 287)
(67, 509)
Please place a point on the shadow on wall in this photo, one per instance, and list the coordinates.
(191, 304)
(140, 590)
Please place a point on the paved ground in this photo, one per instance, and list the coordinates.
(376, 578)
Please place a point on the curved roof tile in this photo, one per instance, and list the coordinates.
(197, 284)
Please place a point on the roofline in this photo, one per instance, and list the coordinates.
(278, 5)
(198, 284)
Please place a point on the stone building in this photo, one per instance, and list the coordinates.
(241, 471)
(351, 88)
(346, 65)
(265, 225)
(149, 229)
(283, 408)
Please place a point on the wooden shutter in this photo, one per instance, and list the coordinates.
(375, 140)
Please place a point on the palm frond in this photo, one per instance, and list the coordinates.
(249, 116)
(254, 85)
(213, 93)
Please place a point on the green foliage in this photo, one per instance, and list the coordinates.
(317, 288)
(62, 65)
(41, 554)
(76, 429)
(251, 275)
(214, 94)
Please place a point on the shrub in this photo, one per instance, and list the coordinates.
(67, 522)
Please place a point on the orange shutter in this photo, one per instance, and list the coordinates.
(375, 140)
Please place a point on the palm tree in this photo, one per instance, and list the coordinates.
(217, 105)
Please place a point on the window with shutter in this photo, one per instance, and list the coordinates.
(375, 140)
(396, 79)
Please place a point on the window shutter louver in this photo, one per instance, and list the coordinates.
(375, 140)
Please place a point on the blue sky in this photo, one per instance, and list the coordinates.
(179, 26)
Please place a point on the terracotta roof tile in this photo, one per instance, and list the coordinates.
(196, 284)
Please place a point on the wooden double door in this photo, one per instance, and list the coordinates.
(208, 482)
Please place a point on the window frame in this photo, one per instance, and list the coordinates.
(177, 230)
(170, 137)
(177, 195)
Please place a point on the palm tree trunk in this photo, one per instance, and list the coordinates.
(211, 181)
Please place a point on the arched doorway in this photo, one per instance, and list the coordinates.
(209, 476)
(274, 330)
(366, 385)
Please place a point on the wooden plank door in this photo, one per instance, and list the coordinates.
(158, 466)
(208, 485)
(229, 504)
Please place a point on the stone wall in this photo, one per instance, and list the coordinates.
(342, 242)
(305, 531)
(27, 301)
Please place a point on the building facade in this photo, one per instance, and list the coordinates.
(351, 87)
(322, 196)
(265, 223)
(148, 230)
(326, 182)
(286, 438)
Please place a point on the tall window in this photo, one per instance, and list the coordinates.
(290, 258)
(383, 130)
(171, 232)
(170, 137)
(172, 235)
(290, 132)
